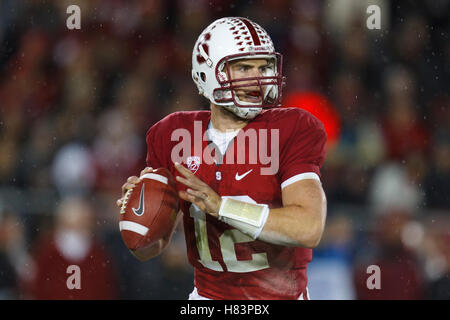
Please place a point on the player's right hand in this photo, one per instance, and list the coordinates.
(131, 183)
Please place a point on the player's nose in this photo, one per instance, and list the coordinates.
(256, 72)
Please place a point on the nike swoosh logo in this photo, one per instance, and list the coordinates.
(239, 177)
(140, 211)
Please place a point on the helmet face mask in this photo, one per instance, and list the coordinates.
(225, 42)
(268, 86)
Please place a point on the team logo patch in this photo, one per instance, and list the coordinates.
(193, 163)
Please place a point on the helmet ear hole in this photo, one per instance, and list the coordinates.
(203, 76)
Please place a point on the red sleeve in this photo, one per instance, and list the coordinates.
(304, 150)
(152, 159)
(158, 142)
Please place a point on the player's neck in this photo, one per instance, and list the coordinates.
(224, 120)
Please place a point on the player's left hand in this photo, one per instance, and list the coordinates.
(198, 192)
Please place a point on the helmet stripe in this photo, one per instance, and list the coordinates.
(252, 30)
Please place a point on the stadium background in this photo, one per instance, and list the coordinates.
(75, 107)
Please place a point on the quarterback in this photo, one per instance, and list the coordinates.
(249, 231)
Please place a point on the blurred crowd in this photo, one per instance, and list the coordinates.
(75, 106)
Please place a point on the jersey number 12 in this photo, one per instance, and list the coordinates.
(227, 241)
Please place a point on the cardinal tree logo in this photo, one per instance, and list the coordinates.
(193, 163)
(252, 147)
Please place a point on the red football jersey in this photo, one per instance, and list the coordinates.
(229, 264)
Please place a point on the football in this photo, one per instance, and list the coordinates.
(149, 210)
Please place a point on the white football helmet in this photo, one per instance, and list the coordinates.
(229, 39)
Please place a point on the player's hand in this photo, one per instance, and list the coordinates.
(131, 183)
(198, 192)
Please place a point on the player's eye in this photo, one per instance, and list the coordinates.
(265, 69)
(244, 68)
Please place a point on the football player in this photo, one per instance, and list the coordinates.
(250, 221)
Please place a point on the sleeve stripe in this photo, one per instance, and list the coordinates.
(298, 177)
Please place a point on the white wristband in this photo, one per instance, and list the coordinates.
(247, 217)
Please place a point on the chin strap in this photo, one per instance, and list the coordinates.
(243, 113)
(205, 56)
